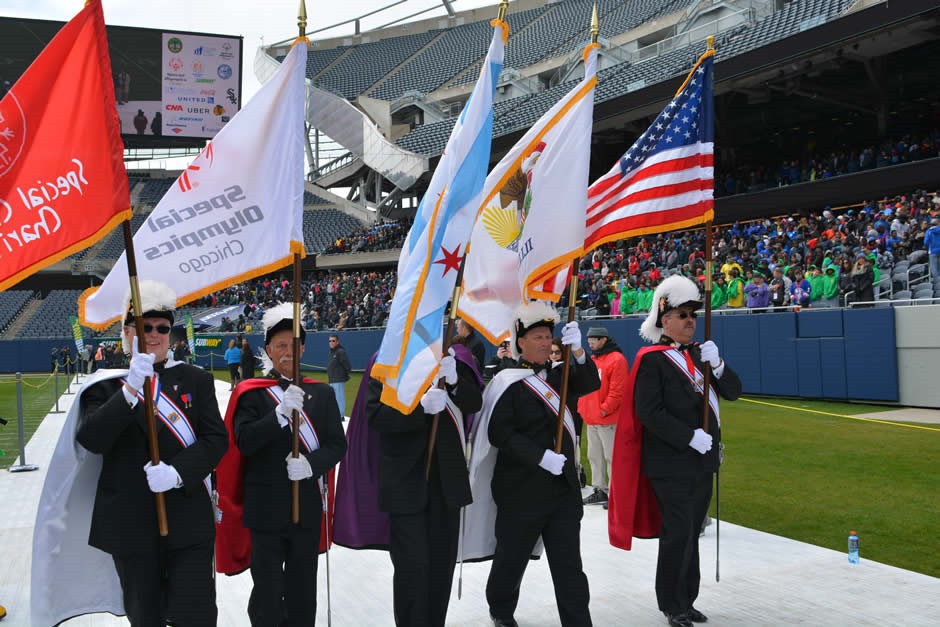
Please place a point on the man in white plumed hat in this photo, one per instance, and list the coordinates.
(104, 444)
(661, 444)
(536, 491)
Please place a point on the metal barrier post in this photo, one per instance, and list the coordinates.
(57, 410)
(68, 387)
(211, 361)
(22, 466)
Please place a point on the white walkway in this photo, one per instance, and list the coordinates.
(765, 579)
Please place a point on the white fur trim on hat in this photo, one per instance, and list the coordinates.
(274, 315)
(677, 290)
(154, 296)
(528, 314)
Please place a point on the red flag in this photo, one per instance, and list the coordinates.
(62, 180)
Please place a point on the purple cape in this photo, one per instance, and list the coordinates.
(357, 521)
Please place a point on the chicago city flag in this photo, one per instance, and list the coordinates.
(427, 269)
(665, 181)
(532, 216)
(234, 214)
(62, 180)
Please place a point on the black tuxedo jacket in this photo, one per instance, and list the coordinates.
(124, 520)
(670, 409)
(265, 445)
(522, 427)
(403, 438)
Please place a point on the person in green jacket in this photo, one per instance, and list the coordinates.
(644, 298)
(719, 297)
(872, 263)
(627, 299)
(830, 288)
(816, 285)
(735, 290)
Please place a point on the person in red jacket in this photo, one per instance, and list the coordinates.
(601, 409)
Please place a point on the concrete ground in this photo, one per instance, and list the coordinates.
(765, 579)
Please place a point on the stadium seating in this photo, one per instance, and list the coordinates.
(367, 63)
(52, 317)
(154, 190)
(11, 303)
(323, 226)
(113, 244)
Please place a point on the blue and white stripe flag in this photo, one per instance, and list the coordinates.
(427, 269)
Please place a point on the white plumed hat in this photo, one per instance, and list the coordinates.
(157, 300)
(280, 318)
(536, 313)
(675, 291)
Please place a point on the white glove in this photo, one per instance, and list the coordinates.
(141, 367)
(571, 336)
(434, 400)
(298, 468)
(710, 353)
(293, 401)
(162, 477)
(701, 441)
(448, 370)
(553, 462)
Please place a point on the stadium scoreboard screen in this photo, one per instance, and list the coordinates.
(173, 89)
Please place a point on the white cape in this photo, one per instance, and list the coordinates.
(479, 534)
(69, 577)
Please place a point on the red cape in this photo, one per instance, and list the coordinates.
(632, 510)
(232, 540)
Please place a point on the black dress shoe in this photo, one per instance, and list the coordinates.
(680, 619)
(504, 622)
(695, 616)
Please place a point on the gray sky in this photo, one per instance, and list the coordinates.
(256, 20)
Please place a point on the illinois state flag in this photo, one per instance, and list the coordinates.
(427, 268)
(666, 180)
(62, 179)
(235, 213)
(532, 216)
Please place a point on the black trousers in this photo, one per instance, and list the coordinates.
(163, 584)
(284, 572)
(423, 549)
(558, 521)
(683, 503)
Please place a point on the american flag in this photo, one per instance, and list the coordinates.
(665, 180)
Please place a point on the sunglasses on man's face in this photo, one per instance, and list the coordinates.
(162, 329)
(682, 315)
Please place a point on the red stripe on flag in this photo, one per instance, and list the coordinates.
(656, 169)
(664, 191)
(627, 226)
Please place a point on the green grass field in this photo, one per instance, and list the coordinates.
(790, 472)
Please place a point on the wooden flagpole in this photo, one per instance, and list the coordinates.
(572, 300)
(148, 390)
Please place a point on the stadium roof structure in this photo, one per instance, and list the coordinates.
(408, 82)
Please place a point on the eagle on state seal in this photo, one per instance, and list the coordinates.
(504, 221)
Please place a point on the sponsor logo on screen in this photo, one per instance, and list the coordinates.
(174, 45)
(224, 71)
(172, 107)
(205, 80)
(230, 94)
(227, 51)
(198, 69)
(175, 63)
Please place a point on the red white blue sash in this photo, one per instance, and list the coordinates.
(551, 398)
(694, 375)
(172, 418)
(308, 435)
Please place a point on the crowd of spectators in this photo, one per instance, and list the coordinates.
(818, 259)
(332, 299)
(383, 235)
(816, 165)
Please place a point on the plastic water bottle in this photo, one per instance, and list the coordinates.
(853, 548)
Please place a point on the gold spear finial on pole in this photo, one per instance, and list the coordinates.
(302, 19)
(710, 42)
(503, 7)
(595, 25)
